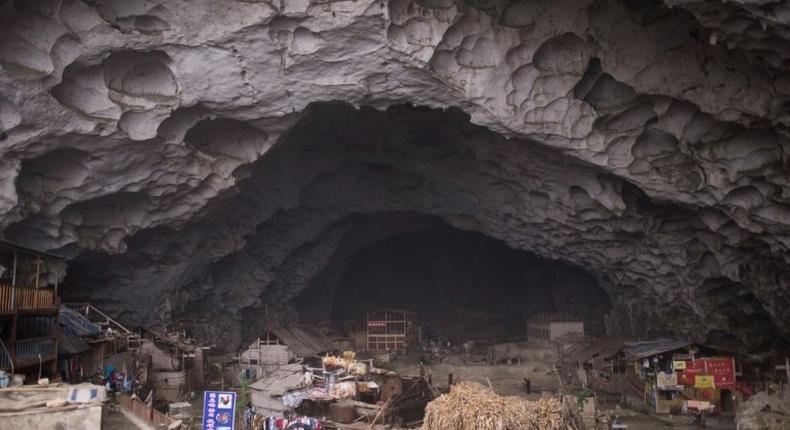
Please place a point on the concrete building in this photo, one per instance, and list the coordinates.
(550, 327)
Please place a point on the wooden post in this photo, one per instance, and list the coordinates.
(450, 380)
(13, 281)
(13, 272)
(38, 269)
(786, 368)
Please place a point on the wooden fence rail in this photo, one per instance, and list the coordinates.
(142, 411)
(12, 298)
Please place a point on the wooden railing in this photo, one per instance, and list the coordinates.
(24, 352)
(552, 317)
(142, 411)
(96, 316)
(13, 298)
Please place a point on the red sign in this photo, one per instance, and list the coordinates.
(722, 370)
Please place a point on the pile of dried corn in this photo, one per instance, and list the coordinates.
(471, 406)
(346, 360)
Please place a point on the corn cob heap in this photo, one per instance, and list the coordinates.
(346, 360)
(471, 406)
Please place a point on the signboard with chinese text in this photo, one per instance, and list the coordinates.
(219, 409)
(721, 369)
(723, 372)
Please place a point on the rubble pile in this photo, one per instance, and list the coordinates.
(472, 406)
(765, 411)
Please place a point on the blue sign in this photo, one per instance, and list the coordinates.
(219, 409)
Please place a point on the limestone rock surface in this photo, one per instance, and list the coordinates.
(199, 160)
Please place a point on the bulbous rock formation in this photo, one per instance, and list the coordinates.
(200, 162)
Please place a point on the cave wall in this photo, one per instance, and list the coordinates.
(306, 205)
(185, 156)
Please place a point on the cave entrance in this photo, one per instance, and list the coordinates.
(460, 285)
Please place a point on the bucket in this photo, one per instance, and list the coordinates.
(330, 378)
(17, 380)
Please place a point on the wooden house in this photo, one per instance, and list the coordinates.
(174, 364)
(283, 345)
(267, 392)
(87, 338)
(597, 363)
(29, 310)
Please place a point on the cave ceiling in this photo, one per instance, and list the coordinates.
(199, 160)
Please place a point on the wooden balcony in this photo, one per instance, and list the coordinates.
(22, 298)
(28, 351)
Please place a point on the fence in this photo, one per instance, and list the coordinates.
(142, 411)
(12, 298)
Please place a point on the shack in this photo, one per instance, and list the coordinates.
(672, 376)
(662, 375)
(267, 392)
(174, 364)
(81, 348)
(597, 363)
(551, 327)
(344, 390)
(280, 345)
(264, 355)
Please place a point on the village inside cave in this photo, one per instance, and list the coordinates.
(394, 214)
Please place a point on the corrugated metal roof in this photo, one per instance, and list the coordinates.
(304, 341)
(160, 336)
(281, 380)
(587, 349)
(7, 245)
(647, 348)
(76, 324)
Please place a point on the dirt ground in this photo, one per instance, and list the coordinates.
(506, 379)
(639, 421)
(537, 366)
(112, 419)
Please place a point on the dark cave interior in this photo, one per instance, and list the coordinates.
(460, 284)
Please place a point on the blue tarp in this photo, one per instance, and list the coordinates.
(76, 324)
(69, 344)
